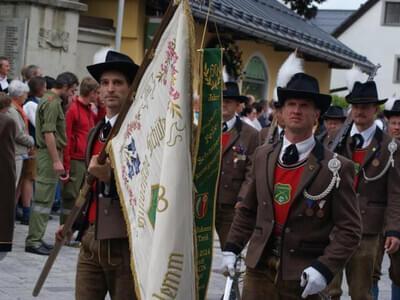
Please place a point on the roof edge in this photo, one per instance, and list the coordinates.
(328, 55)
(353, 18)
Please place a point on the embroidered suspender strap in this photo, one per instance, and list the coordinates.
(392, 147)
(334, 166)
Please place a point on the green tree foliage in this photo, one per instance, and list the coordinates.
(339, 101)
(305, 8)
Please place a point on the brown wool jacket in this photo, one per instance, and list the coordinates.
(7, 182)
(110, 222)
(269, 135)
(233, 174)
(378, 199)
(325, 243)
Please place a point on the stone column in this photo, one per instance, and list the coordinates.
(40, 32)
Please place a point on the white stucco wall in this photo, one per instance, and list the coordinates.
(379, 43)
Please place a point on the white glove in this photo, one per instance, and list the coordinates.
(313, 281)
(228, 262)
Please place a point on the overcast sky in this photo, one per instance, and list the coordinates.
(341, 4)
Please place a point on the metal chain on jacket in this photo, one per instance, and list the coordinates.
(392, 147)
(334, 166)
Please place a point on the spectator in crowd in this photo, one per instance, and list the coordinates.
(37, 88)
(262, 116)
(250, 100)
(4, 69)
(98, 108)
(50, 82)
(51, 140)
(250, 117)
(276, 130)
(18, 92)
(29, 72)
(79, 120)
(7, 175)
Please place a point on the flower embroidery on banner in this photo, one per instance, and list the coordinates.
(131, 159)
(169, 67)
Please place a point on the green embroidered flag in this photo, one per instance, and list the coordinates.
(206, 170)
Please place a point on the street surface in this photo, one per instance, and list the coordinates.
(19, 272)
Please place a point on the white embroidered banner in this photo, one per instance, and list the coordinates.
(152, 161)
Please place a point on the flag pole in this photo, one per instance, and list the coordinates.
(101, 159)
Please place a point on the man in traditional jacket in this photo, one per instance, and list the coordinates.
(392, 114)
(7, 175)
(239, 140)
(303, 223)
(376, 156)
(333, 121)
(104, 258)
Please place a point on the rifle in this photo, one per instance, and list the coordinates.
(346, 127)
(80, 200)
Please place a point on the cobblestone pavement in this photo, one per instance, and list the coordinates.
(19, 272)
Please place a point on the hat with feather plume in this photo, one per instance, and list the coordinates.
(293, 83)
(361, 92)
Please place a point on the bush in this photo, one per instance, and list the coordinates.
(339, 101)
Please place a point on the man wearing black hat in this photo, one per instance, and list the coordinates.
(333, 121)
(294, 206)
(239, 140)
(377, 164)
(104, 258)
(334, 118)
(392, 115)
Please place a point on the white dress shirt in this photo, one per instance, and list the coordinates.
(367, 134)
(304, 148)
(4, 83)
(231, 123)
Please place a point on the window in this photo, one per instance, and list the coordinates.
(256, 79)
(397, 70)
(392, 13)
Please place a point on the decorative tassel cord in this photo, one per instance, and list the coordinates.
(392, 147)
(334, 166)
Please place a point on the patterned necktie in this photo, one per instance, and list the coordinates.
(291, 155)
(106, 130)
(357, 141)
(224, 127)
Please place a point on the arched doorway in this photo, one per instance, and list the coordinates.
(256, 78)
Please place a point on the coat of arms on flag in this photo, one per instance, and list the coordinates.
(152, 163)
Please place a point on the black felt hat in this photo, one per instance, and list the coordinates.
(334, 112)
(303, 86)
(364, 93)
(394, 111)
(231, 91)
(114, 61)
